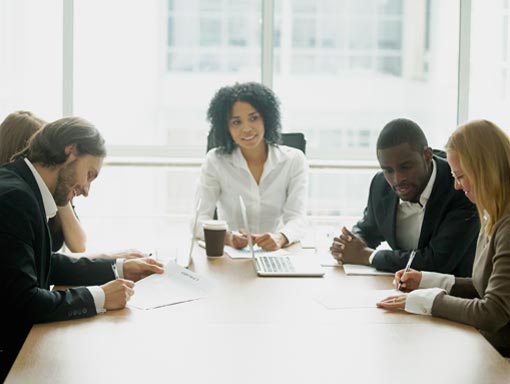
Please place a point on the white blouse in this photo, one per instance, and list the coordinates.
(277, 204)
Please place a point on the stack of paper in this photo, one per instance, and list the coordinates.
(175, 285)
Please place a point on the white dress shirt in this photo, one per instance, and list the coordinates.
(420, 301)
(276, 204)
(410, 217)
(50, 208)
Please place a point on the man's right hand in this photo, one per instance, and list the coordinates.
(117, 293)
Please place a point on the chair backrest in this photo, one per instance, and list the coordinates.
(295, 140)
(291, 139)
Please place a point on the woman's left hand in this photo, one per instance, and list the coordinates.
(393, 302)
(270, 241)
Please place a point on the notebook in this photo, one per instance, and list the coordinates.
(277, 264)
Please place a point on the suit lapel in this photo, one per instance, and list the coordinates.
(388, 211)
(439, 191)
(44, 261)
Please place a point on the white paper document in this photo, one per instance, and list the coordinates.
(175, 285)
(327, 260)
(245, 253)
(363, 270)
(355, 299)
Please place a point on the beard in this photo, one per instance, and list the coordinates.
(65, 182)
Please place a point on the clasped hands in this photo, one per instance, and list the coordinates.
(118, 292)
(349, 249)
(267, 241)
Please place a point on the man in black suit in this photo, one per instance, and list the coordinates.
(60, 163)
(412, 204)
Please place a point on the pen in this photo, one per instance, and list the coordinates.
(411, 257)
(115, 273)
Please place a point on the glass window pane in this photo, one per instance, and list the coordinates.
(340, 92)
(149, 83)
(31, 57)
(490, 62)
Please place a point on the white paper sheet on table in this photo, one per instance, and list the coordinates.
(175, 285)
(244, 253)
(354, 299)
(363, 270)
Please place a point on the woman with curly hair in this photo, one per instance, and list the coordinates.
(479, 156)
(247, 160)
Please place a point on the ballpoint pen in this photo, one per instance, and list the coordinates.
(408, 266)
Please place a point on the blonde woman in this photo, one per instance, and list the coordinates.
(479, 156)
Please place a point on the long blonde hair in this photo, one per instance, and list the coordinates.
(484, 156)
(15, 131)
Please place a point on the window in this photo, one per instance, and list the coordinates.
(145, 71)
(160, 63)
(489, 95)
(31, 57)
(345, 68)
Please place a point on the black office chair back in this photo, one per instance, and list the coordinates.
(295, 140)
(291, 139)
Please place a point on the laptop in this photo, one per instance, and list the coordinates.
(276, 264)
(182, 259)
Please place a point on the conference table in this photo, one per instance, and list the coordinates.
(251, 329)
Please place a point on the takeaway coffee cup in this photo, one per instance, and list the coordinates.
(214, 234)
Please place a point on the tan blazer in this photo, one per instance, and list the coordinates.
(483, 301)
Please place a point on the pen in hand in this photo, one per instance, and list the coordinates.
(408, 266)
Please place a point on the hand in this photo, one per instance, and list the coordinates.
(117, 293)
(137, 269)
(393, 302)
(238, 240)
(127, 254)
(270, 241)
(410, 281)
(349, 249)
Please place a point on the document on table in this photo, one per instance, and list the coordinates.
(245, 253)
(176, 285)
(355, 299)
(327, 260)
(363, 270)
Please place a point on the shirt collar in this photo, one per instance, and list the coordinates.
(274, 156)
(50, 208)
(425, 195)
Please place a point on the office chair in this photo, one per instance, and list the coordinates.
(291, 139)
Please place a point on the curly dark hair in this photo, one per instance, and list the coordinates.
(259, 97)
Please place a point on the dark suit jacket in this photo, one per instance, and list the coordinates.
(448, 235)
(28, 267)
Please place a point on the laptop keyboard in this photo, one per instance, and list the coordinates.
(274, 264)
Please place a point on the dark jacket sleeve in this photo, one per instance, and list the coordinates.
(366, 228)
(26, 264)
(67, 270)
(450, 248)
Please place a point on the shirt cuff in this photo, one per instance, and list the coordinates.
(371, 258)
(99, 297)
(420, 301)
(120, 267)
(437, 280)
